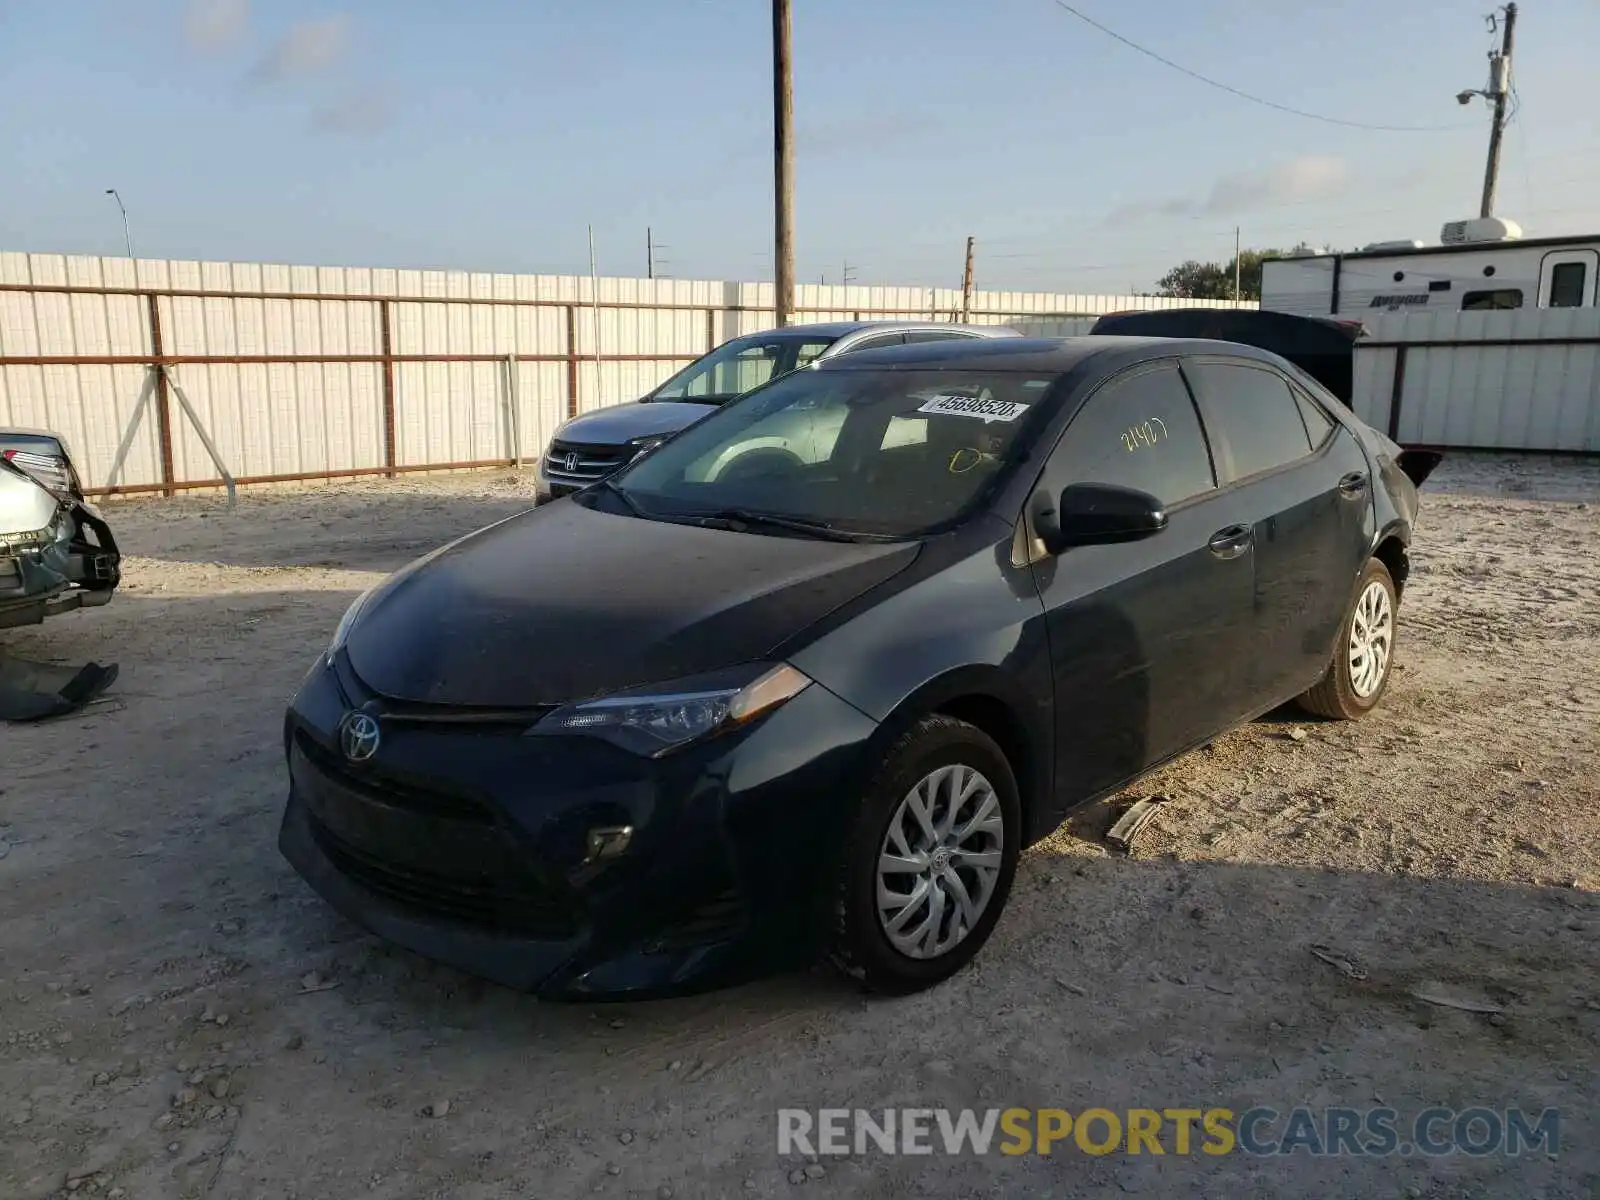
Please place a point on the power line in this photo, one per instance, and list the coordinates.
(1233, 91)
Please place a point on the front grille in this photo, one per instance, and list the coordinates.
(579, 465)
(382, 787)
(520, 907)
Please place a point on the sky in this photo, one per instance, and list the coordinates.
(489, 135)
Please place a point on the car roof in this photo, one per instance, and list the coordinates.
(838, 329)
(1035, 355)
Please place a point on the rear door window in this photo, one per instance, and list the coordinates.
(1318, 424)
(1254, 412)
(879, 342)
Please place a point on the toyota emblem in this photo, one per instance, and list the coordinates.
(359, 736)
(572, 460)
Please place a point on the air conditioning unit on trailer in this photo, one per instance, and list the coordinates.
(1480, 229)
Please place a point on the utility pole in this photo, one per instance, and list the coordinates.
(1500, 85)
(783, 162)
(1497, 93)
(127, 237)
(649, 253)
(966, 283)
(1236, 264)
(848, 274)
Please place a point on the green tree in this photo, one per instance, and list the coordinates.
(1214, 281)
(1194, 280)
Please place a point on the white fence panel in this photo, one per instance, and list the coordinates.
(287, 366)
(1525, 379)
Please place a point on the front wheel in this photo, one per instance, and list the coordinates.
(1359, 673)
(931, 859)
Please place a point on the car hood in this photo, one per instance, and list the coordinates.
(564, 603)
(623, 422)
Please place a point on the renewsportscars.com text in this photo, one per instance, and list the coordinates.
(1318, 1132)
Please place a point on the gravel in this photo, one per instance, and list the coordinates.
(1396, 842)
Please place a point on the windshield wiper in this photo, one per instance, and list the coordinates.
(737, 518)
(634, 506)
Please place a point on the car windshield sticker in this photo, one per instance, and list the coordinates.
(1147, 433)
(981, 408)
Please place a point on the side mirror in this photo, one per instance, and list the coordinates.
(1096, 514)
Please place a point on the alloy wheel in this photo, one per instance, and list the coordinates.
(1371, 639)
(940, 861)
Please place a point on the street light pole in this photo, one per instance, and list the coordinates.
(126, 235)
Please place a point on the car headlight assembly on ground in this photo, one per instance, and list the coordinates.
(658, 720)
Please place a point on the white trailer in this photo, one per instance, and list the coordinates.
(1488, 340)
(1479, 266)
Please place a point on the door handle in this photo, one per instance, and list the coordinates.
(1232, 541)
(1353, 484)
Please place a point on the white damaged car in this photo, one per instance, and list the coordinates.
(56, 551)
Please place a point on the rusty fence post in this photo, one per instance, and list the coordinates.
(572, 361)
(163, 401)
(386, 348)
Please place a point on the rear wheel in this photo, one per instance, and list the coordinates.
(931, 860)
(1359, 673)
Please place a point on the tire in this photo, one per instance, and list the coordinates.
(1344, 693)
(960, 757)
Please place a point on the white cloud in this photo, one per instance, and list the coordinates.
(215, 25)
(1310, 177)
(308, 47)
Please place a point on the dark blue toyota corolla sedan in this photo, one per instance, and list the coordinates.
(807, 678)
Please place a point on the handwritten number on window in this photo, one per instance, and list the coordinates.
(1146, 433)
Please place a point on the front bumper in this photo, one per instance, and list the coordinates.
(39, 581)
(468, 844)
(546, 489)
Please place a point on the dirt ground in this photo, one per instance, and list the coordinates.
(158, 1039)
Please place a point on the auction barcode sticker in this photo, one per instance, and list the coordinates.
(977, 407)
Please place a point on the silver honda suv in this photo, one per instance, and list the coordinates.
(590, 447)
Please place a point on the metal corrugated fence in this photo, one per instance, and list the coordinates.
(1525, 379)
(319, 372)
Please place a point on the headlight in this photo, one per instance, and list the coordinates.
(642, 446)
(347, 623)
(652, 721)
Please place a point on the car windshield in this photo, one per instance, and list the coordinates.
(737, 366)
(874, 452)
